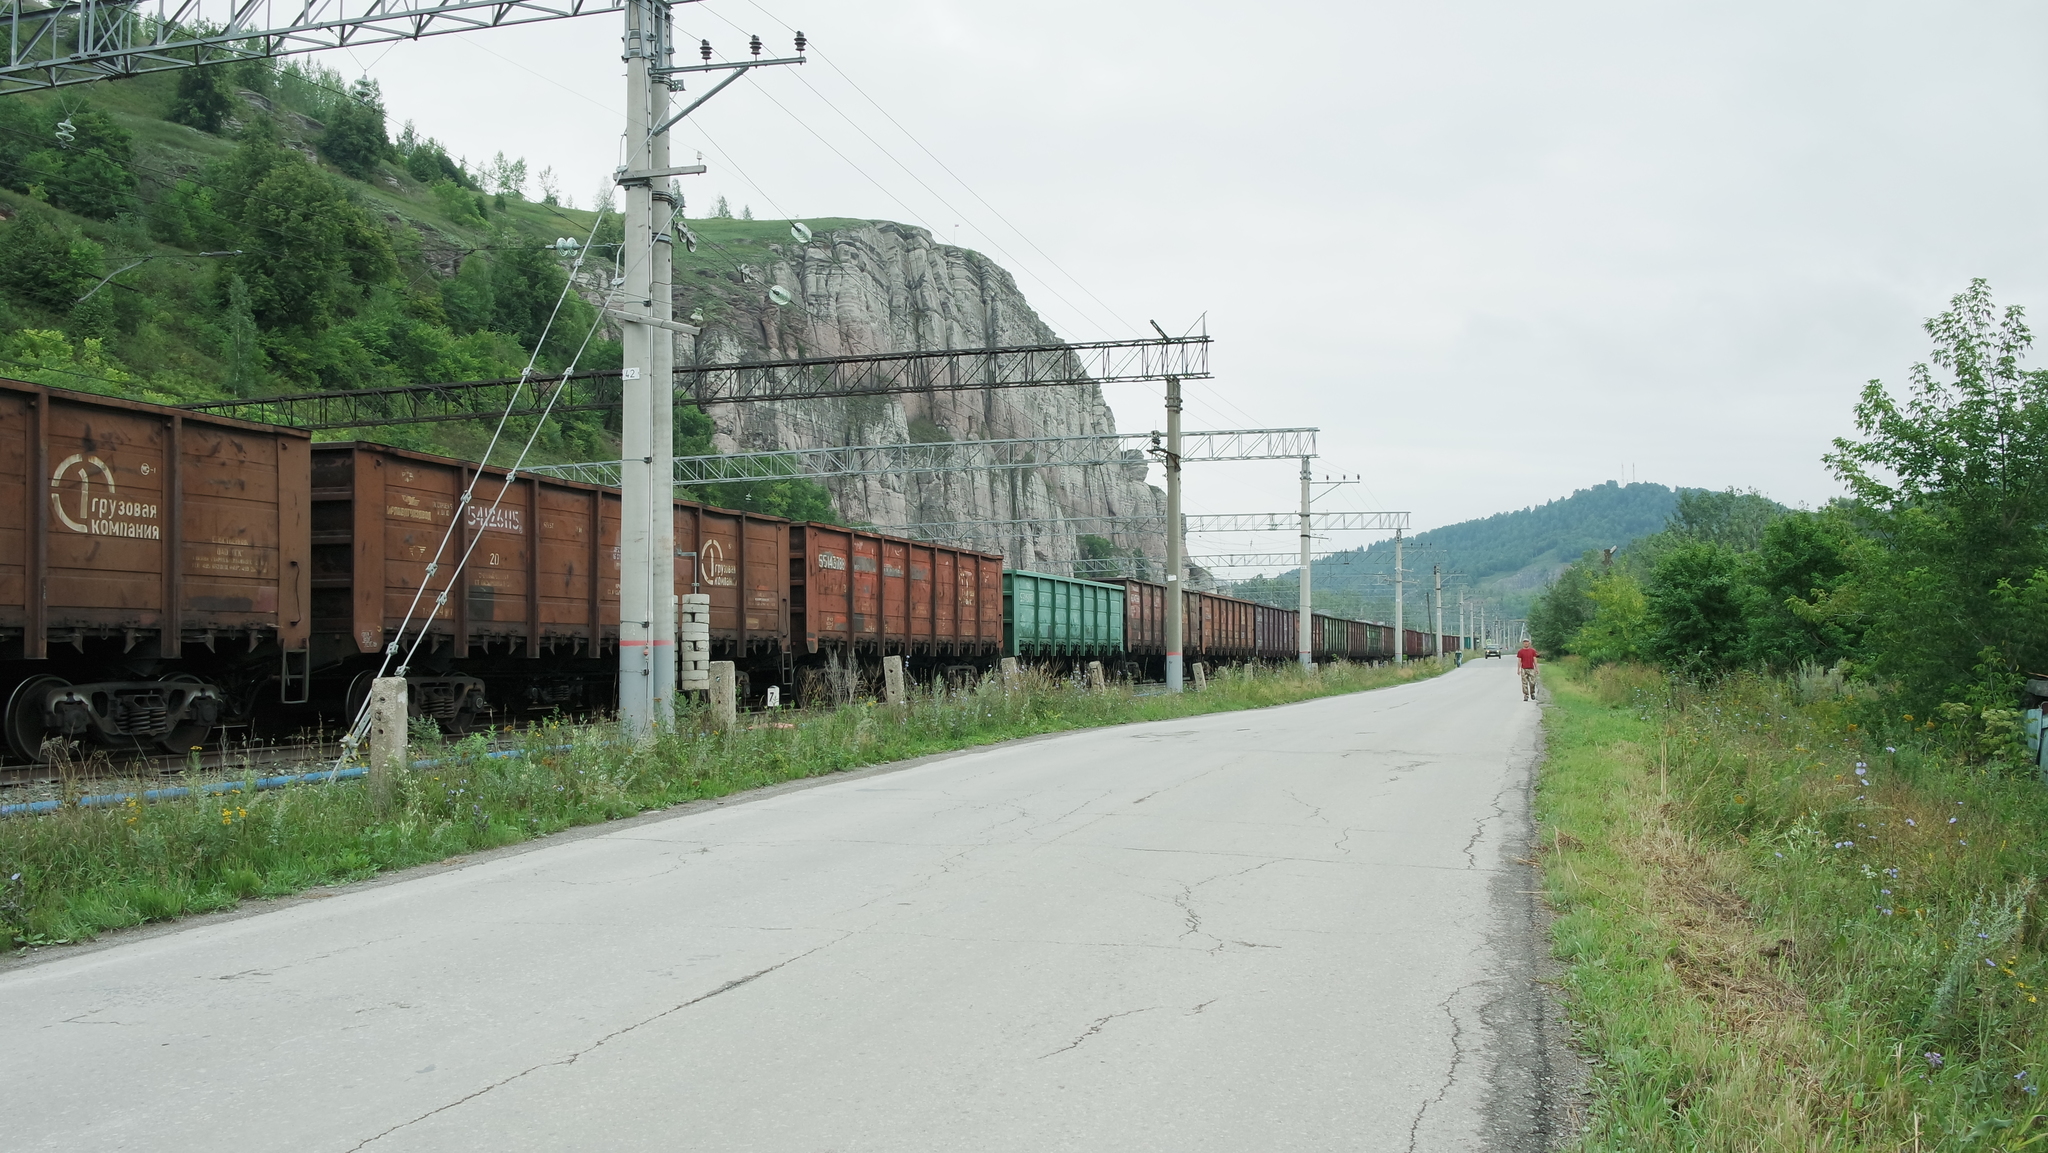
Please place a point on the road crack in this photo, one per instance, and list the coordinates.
(1499, 813)
(614, 1035)
(1096, 1025)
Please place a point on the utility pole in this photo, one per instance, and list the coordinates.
(661, 394)
(1174, 581)
(643, 643)
(1400, 632)
(646, 305)
(1303, 626)
(1436, 644)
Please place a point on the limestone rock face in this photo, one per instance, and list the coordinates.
(882, 287)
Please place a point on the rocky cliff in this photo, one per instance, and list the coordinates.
(879, 287)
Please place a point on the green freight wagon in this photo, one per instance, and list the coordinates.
(1053, 616)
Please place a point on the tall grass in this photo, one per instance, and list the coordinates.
(75, 873)
(1792, 922)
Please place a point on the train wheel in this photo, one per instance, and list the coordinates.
(184, 738)
(463, 722)
(24, 719)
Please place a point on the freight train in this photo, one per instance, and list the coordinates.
(164, 574)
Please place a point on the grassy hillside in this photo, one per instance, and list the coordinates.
(1506, 557)
(248, 229)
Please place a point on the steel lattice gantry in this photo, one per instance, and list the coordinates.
(1211, 561)
(79, 41)
(1224, 522)
(805, 378)
(962, 455)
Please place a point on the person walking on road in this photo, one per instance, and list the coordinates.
(1527, 655)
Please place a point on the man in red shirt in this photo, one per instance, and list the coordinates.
(1527, 655)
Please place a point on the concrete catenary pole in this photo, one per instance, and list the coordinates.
(661, 393)
(640, 485)
(1174, 576)
(1305, 637)
(1436, 642)
(1400, 631)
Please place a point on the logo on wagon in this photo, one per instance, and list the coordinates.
(100, 513)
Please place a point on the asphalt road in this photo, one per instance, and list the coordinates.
(1300, 928)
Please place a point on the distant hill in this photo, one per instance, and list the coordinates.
(1506, 557)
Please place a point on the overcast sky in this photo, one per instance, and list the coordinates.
(1495, 251)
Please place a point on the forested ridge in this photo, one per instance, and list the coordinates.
(1506, 557)
(248, 228)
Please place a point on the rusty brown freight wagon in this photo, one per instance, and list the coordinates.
(869, 594)
(1277, 636)
(536, 606)
(154, 569)
(1214, 628)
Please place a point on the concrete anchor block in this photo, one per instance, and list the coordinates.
(1013, 678)
(725, 714)
(387, 740)
(892, 680)
(1095, 680)
(693, 643)
(1201, 676)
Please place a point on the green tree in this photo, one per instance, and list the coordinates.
(93, 318)
(241, 346)
(187, 215)
(1697, 608)
(1619, 628)
(205, 98)
(89, 173)
(46, 264)
(355, 141)
(1564, 607)
(308, 250)
(1952, 480)
(23, 132)
(1732, 518)
(1799, 570)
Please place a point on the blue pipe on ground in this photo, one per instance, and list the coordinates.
(108, 800)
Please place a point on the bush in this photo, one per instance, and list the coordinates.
(204, 98)
(355, 140)
(46, 264)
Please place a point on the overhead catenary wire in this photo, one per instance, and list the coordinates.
(359, 726)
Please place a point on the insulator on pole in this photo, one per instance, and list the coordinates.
(800, 41)
(704, 50)
(754, 43)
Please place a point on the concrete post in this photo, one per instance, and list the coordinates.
(1436, 643)
(725, 714)
(387, 739)
(1095, 680)
(643, 494)
(1201, 676)
(1175, 579)
(1305, 618)
(1013, 678)
(892, 679)
(1400, 599)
